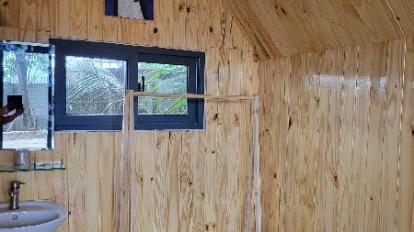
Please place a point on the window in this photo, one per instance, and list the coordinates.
(25, 72)
(92, 77)
(94, 86)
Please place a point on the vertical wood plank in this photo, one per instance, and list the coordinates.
(110, 28)
(63, 26)
(109, 152)
(192, 24)
(77, 181)
(186, 182)
(60, 179)
(92, 188)
(94, 19)
(78, 18)
(160, 181)
(148, 165)
(232, 127)
(212, 123)
(178, 35)
(347, 158)
(46, 14)
(164, 24)
(27, 20)
(391, 136)
(173, 183)
(27, 15)
(405, 214)
(376, 55)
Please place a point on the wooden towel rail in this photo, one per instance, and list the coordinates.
(124, 183)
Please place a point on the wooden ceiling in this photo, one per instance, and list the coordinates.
(289, 27)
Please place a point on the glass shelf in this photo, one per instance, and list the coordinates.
(32, 168)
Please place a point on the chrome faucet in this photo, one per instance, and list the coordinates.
(14, 195)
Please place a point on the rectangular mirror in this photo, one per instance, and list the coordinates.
(26, 96)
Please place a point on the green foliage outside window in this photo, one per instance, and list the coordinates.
(163, 78)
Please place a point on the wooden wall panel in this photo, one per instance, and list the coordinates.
(334, 157)
(406, 184)
(181, 180)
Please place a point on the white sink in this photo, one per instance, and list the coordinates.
(33, 216)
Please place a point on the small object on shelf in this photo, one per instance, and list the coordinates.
(22, 159)
(50, 166)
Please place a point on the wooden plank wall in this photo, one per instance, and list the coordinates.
(183, 181)
(333, 155)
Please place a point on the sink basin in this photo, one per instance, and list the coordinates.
(33, 216)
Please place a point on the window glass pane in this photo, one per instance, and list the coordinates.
(27, 74)
(163, 78)
(94, 86)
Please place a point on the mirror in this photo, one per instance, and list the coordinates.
(26, 95)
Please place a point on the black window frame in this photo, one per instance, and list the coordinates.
(31, 48)
(132, 55)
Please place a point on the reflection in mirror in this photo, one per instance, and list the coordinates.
(26, 95)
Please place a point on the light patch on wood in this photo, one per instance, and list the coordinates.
(130, 9)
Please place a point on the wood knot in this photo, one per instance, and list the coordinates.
(210, 226)
(155, 30)
(5, 3)
(180, 7)
(211, 29)
(139, 178)
(275, 175)
(398, 18)
(152, 178)
(412, 132)
(216, 117)
(283, 10)
(188, 9)
(290, 122)
(334, 177)
(371, 198)
(236, 121)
